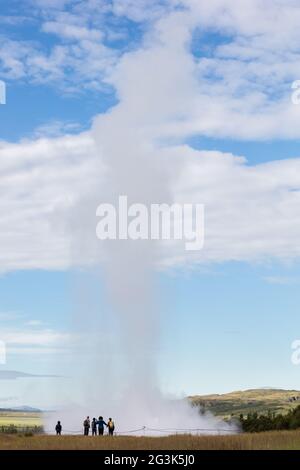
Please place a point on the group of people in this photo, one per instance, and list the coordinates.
(96, 425)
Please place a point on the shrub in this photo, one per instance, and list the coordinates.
(270, 421)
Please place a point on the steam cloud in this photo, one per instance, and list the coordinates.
(116, 362)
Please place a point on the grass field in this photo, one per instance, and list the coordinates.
(20, 419)
(287, 440)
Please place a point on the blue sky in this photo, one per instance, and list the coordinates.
(228, 317)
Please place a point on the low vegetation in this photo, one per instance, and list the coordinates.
(260, 401)
(285, 440)
(254, 422)
(12, 422)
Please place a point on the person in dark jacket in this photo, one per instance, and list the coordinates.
(86, 426)
(58, 428)
(101, 423)
(94, 427)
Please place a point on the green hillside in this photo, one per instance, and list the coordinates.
(248, 401)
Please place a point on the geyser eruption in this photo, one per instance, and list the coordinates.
(116, 367)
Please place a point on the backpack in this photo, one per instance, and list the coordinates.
(111, 425)
(86, 424)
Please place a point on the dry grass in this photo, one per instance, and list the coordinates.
(269, 440)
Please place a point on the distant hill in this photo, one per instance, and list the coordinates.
(22, 409)
(242, 402)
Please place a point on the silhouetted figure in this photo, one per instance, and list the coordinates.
(86, 426)
(111, 427)
(94, 427)
(58, 428)
(101, 423)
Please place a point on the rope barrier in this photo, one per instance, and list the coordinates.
(131, 431)
(189, 430)
(166, 430)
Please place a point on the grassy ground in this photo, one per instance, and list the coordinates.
(247, 401)
(288, 440)
(20, 419)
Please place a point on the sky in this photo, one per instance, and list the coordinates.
(208, 85)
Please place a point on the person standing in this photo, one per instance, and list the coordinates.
(111, 427)
(58, 428)
(94, 427)
(86, 426)
(101, 423)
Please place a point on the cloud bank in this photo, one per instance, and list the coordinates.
(170, 89)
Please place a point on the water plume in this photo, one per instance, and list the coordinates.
(117, 367)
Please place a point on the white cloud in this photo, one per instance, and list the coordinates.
(37, 351)
(13, 55)
(144, 10)
(252, 212)
(14, 20)
(70, 31)
(56, 4)
(35, 337)
(78, 59)
(245, 84)
(282, 280)
(41, 181)
(51, 186)
(34, 323)
(56, 129)
(240, 86)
